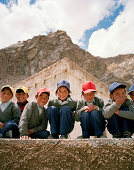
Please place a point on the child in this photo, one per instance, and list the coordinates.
(89, 112)
(131, 92)
(21, 96)
(33, 121)
(60, 112)
(9, 114)
(117, 112)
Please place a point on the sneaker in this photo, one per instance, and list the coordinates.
(82, 137)
(101, 136)
(53, 136)
(127, 134)
(117, 135)
(64, 137)
(1, 135)
(9, 134)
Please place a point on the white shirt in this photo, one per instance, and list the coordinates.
(3, 106)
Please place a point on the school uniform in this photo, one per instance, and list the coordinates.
(9, 115)
(60, 116)
(34, 117)
(124, 121)
(92, 123)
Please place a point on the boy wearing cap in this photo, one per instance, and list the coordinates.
(89, 112)
(9, 114)
(21, 96)
(33, 121)
(117, 112)
(60, 112)
(131, 92)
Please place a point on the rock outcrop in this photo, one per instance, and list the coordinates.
(26, 58)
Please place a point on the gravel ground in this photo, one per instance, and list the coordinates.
(68, 154)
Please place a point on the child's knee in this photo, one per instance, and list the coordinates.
(65, 108)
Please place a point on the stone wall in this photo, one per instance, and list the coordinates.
(107, 154)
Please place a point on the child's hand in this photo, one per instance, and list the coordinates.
(25, 137)
(85, 108)
(1, 125)
(120, 100)
(117, 112)
(92, 107)
(30, 131)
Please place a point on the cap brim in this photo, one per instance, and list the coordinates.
(89, 90)
(121, 85)
(8, 88)
(43, 92)
(20, 90)
(62, 86)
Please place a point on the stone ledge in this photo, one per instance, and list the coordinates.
(67, 154)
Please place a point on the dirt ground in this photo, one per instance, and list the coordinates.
(67, 154)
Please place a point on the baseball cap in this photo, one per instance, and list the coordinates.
(63, 83)
(131, 89)
(22, 89)
(9, 87)
(115, 85)
(43, 90)
(88, 86)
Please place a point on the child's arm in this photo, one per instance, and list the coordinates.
(23, 124)
(79, 109)
(127, 114)
(16, 113)
(109, 109)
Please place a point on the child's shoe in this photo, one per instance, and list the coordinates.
(118, 135)
(9, 134)
(101, 136)
(53, 136)
(1, 135)
(64, 136)
(127, 134)
(82, 137)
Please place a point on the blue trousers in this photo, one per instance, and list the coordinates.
(92, 123)
(10, 125)
(61, 120)
(117, 124)
(40, 135)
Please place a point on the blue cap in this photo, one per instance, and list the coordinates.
(131, 89)
(63, 83)
(115, 85)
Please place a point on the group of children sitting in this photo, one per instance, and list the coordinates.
(29, 120)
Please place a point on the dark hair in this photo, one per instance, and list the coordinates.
(66, 88)
(7, 88)
(46, 93)
(118, 88)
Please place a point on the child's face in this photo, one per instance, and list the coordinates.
(132, 95)
(63, 93)
(21, 97)
(89, 96)
(42, 99)
(119, 92)
(5, 95)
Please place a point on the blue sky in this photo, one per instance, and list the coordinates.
(98, 26)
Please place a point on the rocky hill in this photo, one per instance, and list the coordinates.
(26, 58)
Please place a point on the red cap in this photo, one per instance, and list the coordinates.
(43, 90)
(88, 87)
